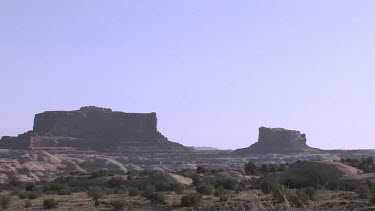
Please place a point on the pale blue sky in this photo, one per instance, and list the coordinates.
(214, 71)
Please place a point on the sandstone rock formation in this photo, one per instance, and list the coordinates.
(278, 140)
(94, 128)
(223, 177)
(313, 173)
(163, 178)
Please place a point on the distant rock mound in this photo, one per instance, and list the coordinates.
(278, 140)
(313, 173)
(94, 128)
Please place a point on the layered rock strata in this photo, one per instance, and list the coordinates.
(94, 128)
(278, 140)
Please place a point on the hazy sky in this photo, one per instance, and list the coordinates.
(214, 71)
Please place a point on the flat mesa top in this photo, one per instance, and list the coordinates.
(88, 109)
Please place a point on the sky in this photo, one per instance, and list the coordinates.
(213, 71)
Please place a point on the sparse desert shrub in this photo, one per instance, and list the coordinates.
(23, 195)
(191, 200)
(55, 188)
(50, 203)
(133, 192)
(295, 197)
(27, 204)
(280, 192)
(178, 189)
(98, 174)
(145, 173)
(5, 201)
(149, 188)
(372, 199)
(30, 187)
(224, 197)
(310, 192)
(205, 189)
(156, 198)
(363, 192)
(219, 191)
(250, 168)
(201, 170)
(351, 206)
(228, 184)
(130, 177)
(214, 171)
(95, 193)
(282, 167)
(97, 203)
(28, 195)
(196, 180)
(269, 187)
(118, 204)
(365, 164)
(160, 187)
(33, 195)
(116, 182)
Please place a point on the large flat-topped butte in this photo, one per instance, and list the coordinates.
(94, 128)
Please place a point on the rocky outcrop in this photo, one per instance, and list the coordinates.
(313, 173)
(233, 177)
(94, 128)
(278, 140)
(158, 178)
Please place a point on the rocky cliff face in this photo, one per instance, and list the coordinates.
(93, 122)
(278, 140)
(94, 128)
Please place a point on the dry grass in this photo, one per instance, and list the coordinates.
(246, 200)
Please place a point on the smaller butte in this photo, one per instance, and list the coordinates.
(278, 140)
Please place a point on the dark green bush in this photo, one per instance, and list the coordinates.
(56, 188)
(372, 199)
(119, 204)
(133, 192)
(98, 174)
(228, 184)
(155, 197)
(116, 182)
(23, 195)
(191, 200)
(365, 164)
(205, 189)
(250, 168)
(34, 195)
(224, 197)
(27, 204)
(363, 192)
(28, 195)
(161, 187)
(219, 191)
(201, 170)
(178, 189)
(97, 203)
(30, 187)
(310, 192)
(50, 203)
(149, 188)
(196, 180)
(296, 197)
(95, 193)
(5, 201)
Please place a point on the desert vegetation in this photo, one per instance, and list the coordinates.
(202, 189)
